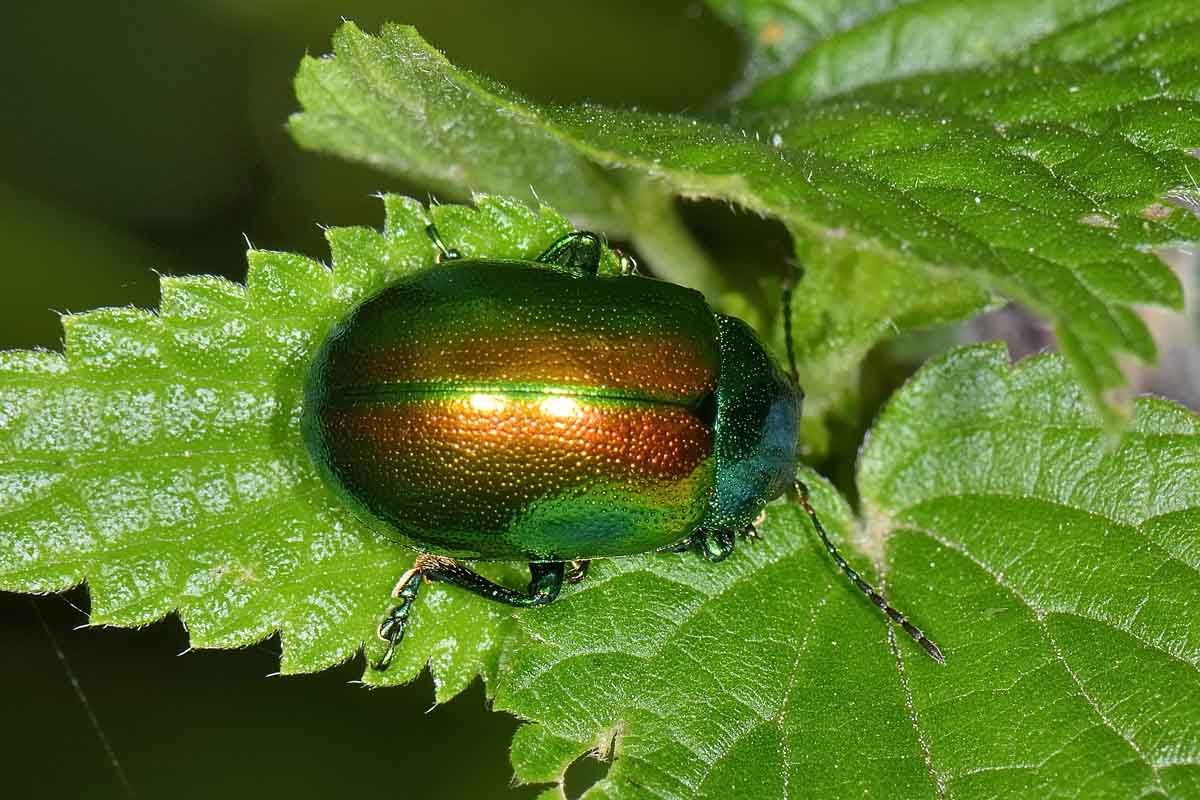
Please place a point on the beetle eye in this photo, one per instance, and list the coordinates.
(706, 409)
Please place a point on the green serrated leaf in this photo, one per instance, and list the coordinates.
(1058, 571)
(160, 460)
(1039, 180)
(459, 142)
(809, 49)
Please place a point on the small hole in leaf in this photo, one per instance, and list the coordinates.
(584, 773)
(1157, 211)
(1098, 220)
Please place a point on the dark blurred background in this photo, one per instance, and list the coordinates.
(143, 137)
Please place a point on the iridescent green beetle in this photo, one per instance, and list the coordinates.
(536, 411)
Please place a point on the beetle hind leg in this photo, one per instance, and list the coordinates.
(545, 582)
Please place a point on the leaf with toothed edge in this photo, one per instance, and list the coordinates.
(1037, 171)
(1058, 570)
(160, 460)
(925, 157)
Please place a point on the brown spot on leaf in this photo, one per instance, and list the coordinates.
(1157, 211)
(1098, 220)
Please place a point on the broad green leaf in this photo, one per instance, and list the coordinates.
(1059, 572)
(1043, 181)
(809, 49)
(160, 460)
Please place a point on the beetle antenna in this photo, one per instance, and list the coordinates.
(866, 588)
(789, 288)
(444, 253)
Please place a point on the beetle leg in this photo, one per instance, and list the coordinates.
(714, 544)
(444, 253)
(545, 582)
(578, 252)
(546, 579)
(751, 531)
(629, 265)
(391, 630)
(579, 570)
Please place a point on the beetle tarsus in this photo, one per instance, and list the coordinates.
(715, 544)
(391, 630)
(628, 264)
(545, 583)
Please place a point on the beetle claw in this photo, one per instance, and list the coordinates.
(579, 570)
(391, 630)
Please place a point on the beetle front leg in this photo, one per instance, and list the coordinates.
(546, 580)
(715, 544)
(579, 252)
